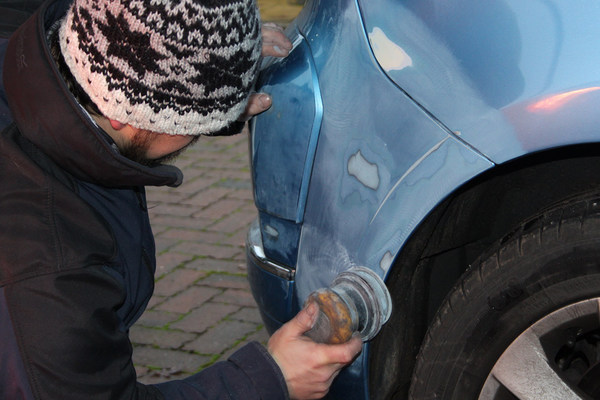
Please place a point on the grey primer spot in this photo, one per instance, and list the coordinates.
(364, 171)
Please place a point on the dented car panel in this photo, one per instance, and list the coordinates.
(382, 111)
(369, 157)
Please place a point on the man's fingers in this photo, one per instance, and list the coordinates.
(272, 26)
(275, 43)
(354, 347)
(305, 319)
(342, 354)
(309, 367)
(257, 103)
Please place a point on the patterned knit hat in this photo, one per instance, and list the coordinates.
(182, 67)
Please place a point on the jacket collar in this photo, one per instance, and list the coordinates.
(48, 115)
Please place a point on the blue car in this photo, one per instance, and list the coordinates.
(453, 148)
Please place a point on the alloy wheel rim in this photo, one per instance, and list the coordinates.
(555, 358)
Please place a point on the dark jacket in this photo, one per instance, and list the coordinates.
(76, 249)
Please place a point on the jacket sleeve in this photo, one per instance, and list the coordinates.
(250, 373)
(68, 334)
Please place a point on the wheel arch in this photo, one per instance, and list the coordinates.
(455, 233)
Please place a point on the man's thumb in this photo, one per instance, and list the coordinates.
(306, 318)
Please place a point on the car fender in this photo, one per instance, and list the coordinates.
(510, 77)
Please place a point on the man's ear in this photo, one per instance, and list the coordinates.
(116, 125)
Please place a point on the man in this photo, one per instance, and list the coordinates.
(99, 93)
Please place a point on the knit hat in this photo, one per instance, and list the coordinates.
(182, 67)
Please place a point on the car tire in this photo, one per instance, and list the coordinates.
(524, 321)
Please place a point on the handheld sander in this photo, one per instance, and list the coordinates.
(356, 301)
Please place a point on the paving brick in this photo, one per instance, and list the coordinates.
(225, 174)
(204, 317)
(163, 244)
(157, 319)
(212, 265)
(237, 185)
(175, 361)
(225, 281)
(221, 338)
(234, 223)
(244, 194)
(167, 262)
(182, 209)
(207, 250)
(261, 336)
(241, 257)
(232, 350)
(186, 159)
(157, 230)
(180, 222)
(156, 376)
(162, 338)
(194, 235)
(188, 299)
(141, 371)
(236, 296)
(157, 197)
(248, 314)
(222, 208)
(196, 185)
(207, 162)
(206, 197)
(189, 174)
(240, 163)
(155, 300)
(239, 237)
(175, 281)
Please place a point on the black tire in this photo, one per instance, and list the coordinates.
(551, 264)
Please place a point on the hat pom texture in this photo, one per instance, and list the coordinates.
(176, 67)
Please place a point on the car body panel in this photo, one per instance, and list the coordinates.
(269, 281)
(510, 76)
(358, 225)
(391, 156)
(286, 171)
(295, 143)
(391, 115)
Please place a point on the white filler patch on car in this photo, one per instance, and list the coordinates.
(390, 56)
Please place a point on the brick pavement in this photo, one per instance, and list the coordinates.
(202, 309)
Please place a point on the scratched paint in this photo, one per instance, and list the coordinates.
(318, 269)
(408, 172)
(390, 56)
(365, 172)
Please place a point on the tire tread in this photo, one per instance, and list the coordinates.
(576, 218)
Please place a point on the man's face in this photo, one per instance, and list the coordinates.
(151, 149)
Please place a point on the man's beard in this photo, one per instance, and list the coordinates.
(137, 150)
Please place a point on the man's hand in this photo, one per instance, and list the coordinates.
(275, 44)
(308, 367)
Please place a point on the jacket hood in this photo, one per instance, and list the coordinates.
(48, 115)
